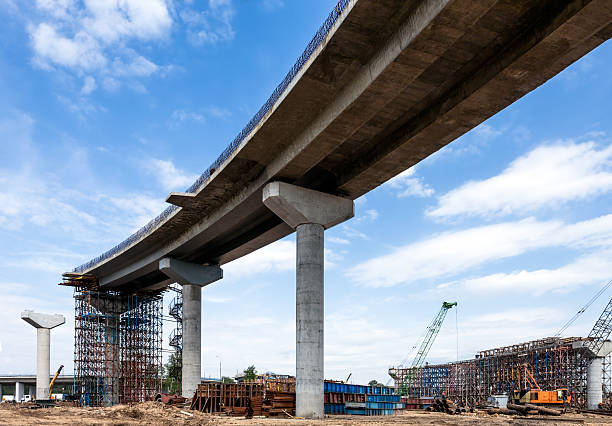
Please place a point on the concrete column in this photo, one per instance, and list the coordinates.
(19, 391)
(192, 277)
(594, 383)
(43, 353)
(310, 213)
(192, 339)
(43, 323)
(309, 320)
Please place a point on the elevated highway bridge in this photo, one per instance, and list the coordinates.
(383, 85)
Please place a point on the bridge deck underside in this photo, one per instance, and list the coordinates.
(348, 123)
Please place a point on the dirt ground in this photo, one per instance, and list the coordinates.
(152, 413)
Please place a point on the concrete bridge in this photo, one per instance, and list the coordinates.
(383, 85)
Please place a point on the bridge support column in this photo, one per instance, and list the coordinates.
(594, 383)
(309, 213)
(19, 391)
(43, 323)
(192, 277)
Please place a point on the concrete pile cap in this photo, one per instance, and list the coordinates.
(39, 320)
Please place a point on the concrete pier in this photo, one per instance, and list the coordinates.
(192, 339)
(43, 323)
(310, 213)
(309, 320)
(192, 278)
(594, 383)
(20, 391)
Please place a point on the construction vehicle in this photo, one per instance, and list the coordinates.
(57, 373)
(419, 359)
(529, 392)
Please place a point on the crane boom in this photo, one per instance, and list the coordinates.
(419, 359)
(601, 330)
(432, 332)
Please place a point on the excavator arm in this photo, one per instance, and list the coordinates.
(57, 373)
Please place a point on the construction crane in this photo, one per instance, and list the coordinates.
(419, 359)
(603, 326)
(601, 330)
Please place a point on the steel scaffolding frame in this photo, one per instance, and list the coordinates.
(118, 346)
(553, 362)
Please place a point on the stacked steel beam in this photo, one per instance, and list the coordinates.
(553, 362)
(343, 398)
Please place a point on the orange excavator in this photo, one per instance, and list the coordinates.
(529, 392)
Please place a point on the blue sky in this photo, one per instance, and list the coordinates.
(105, 109)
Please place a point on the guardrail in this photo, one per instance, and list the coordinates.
(312, 46)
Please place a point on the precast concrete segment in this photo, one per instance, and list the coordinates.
(190, 273)
(43, 323)
(296, 205)
(192, 339)
(309, 321)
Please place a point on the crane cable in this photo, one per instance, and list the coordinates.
(584, 308)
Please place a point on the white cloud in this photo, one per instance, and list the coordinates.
(545, 177)
(451, 253)
(218, 112)
(275, 257)
(182, 115)
(138, 209)
(137, 67)
(407, 185)
(169, 175)
(212, 25)
(81, 51)
(89, 85)
(271, 5)
(486, 131)
(586, 270)
(94, 37)
(337, 240)
(109, 21)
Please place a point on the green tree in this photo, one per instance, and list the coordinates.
(227, 380)
(374, 383)
(250, 373)
(173, 372)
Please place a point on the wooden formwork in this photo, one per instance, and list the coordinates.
(244, 399)
(215, 397)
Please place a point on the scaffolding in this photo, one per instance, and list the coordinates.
(553, 362)
(118, 346)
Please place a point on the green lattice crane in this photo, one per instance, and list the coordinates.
(419, 359)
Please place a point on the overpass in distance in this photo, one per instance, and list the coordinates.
(383, 85)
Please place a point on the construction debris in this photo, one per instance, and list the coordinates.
(170, 399)
(441, 405)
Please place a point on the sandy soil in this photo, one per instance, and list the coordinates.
(152, 413)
